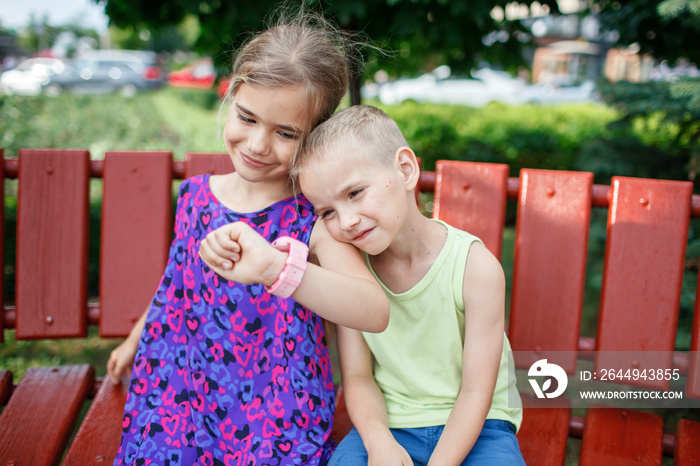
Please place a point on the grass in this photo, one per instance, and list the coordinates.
(19, 355)
(161, 120)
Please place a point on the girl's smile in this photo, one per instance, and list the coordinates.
(252, 162)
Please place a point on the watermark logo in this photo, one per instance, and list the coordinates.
(542, 368)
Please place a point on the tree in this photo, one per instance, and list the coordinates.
(416, 34)
(670, 31)
(667, 111)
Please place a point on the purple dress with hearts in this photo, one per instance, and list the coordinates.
(225, 373)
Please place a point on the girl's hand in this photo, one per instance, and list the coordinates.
(218, 249)
(121, 360)
(238, 253)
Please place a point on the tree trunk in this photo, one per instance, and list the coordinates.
(355, 84)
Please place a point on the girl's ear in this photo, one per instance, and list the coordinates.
(407, 163)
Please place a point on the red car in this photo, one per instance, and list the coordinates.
(199, 74)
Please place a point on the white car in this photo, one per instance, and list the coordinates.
(550, 93)
(29, 77)
(438, 87)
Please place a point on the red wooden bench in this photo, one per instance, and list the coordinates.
(41, 421)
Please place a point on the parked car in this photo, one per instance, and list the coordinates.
(439, 86)
(550, 93)
(199, 74)
(30, 75)
(103, 71)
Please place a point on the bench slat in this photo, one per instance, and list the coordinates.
(200, 163)
(52, 246)
(472, 196)
(544, 431)
(692, 389)
(621, 437)
(687, 451)
(549, 265)
(136, 235)
(98, 437)
(643, 274)
(5, 386)
(2, 247)
(342, 424)
(39, 418)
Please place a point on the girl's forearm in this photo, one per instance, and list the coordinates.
(347, 300)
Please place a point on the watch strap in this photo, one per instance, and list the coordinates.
(294, 267)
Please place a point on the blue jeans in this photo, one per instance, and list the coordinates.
(495, 446)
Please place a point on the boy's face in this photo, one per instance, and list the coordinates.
(359, 201)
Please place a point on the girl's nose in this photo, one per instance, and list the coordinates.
(258, 141)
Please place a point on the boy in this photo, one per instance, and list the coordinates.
(434, 387)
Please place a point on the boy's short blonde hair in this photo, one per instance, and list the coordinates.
(361, 128)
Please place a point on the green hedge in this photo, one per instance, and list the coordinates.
(523, 136)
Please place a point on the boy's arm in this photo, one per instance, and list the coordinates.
(365, 401)
(484, 305)
(341, 289)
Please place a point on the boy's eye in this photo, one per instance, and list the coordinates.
(355, 193)
(326, 214)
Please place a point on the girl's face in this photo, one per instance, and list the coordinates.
(263, 129)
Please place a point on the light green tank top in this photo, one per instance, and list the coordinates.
(418, 358)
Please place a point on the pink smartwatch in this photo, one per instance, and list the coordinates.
(294, 267)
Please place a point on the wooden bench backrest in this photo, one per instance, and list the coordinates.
(136, 229)
(52, 232)
(647, 233)
(52, 251)
(549, 264)
(645, 253)
(644, 262)
(472, 197)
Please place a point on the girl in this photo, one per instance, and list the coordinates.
(238, 372)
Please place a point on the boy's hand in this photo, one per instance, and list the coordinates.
(238, 253)
(389, 454)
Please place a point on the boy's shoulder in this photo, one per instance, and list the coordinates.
(455, 234)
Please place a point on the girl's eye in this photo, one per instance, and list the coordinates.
(245, 119)
(290, 136)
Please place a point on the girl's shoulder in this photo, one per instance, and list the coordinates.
(194, 189)
(195, 182)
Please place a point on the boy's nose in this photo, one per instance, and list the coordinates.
(348, 221)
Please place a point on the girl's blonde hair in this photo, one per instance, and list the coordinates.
(301, 48)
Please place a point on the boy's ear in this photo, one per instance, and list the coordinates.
(405, 160)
